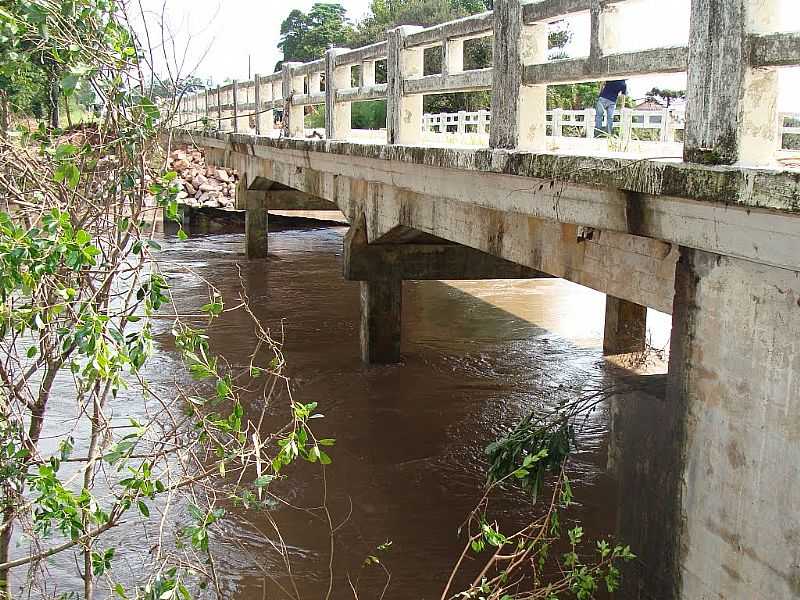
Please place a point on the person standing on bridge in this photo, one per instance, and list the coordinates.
(607, 103)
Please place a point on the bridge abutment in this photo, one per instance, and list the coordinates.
(735, 356)
(625, 327)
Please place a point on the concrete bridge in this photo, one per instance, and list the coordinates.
(713, 239)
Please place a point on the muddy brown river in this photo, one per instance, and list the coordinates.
(408, 465)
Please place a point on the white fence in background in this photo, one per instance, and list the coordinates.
(643, 125)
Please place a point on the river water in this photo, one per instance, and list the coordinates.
(408, 465)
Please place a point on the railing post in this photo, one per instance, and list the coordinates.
(205, 108)
(518, 111)
(293, 116)
(626, 124)
(337, 114)
(219, 108)
(452, 56)
(604, 31)
(403, 113)
(235, 106)
(314, 83)
(367, 74)
(666, 126)
(588, 121)
(257, 100)
(558, 126)
(268, 116)
(731, 107)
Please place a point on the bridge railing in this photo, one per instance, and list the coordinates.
(732, 66)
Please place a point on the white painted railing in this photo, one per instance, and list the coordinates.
(664, 124)
(519, 82)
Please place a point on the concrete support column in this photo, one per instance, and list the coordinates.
(315, 83)
(403, 113)
(625, 327)
(294, 125)
(518, 111)
(367, 74)
(732, 111)
(338, 117)
(734, 361)
(381, 308)
(258, 102)
(256, 219)
(452, 57)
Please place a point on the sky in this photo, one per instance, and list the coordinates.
(214, 39)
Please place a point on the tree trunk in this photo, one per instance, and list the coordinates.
(5, 114)
(5, 548)
(52, 97)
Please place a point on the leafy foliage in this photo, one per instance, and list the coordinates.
(80, 287)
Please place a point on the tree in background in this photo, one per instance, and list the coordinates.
(665, 96)
(306, 36)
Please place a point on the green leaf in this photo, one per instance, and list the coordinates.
(69, 83)
(264, 481)
(324, 458)
(327, 442)
(82, 238)
(143, 508)
(182, 235)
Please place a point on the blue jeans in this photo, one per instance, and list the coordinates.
(604, 106)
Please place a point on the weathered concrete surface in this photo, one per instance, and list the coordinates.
(625, 327)
(734, 383)
(423, 261)
(256, 225)
(519, 111)
(381, 311)
(643, 456)
(296, 200)
(722, 126)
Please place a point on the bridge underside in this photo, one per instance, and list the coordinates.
(716, 247)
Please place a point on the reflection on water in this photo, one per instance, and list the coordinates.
(408, 464)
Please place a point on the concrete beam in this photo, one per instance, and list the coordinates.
(545, 11)
(429, 262)
(775, 50)
(296, 200)
(466, 81)
(612, 66)
(625, 327)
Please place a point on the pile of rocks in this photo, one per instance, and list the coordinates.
(202, 185)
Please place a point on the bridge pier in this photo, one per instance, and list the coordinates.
(625, 327)
(408, 255)
(381, 322)
(256, 225)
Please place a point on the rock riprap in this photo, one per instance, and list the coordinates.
(202, 184)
